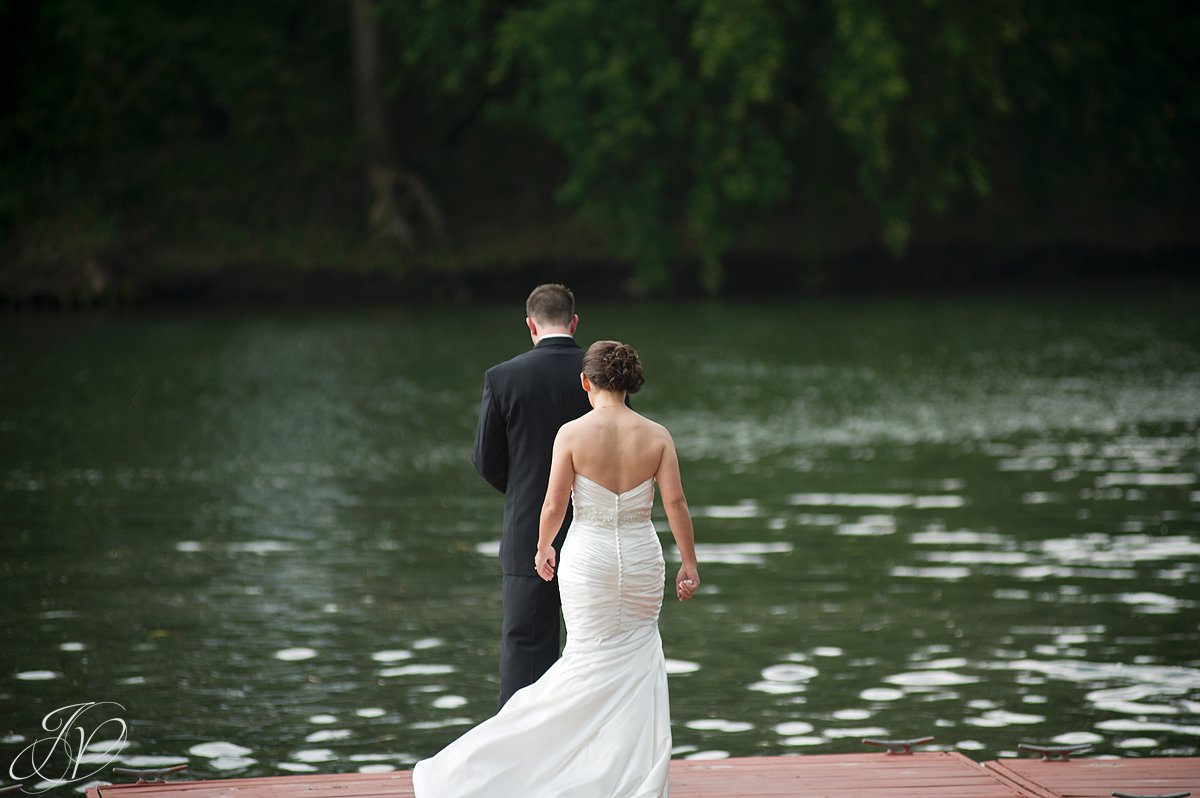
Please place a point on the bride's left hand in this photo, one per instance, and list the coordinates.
(687, 582)
(543, 563)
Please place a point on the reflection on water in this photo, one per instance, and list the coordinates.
(262, 535)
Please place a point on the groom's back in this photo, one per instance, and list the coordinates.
(534, 393)
(538, 391)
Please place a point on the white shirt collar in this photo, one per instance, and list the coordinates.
(554, 335)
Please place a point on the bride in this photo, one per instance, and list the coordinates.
(597, 724)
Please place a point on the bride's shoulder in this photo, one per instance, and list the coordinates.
(654, 428)
(572, 426)
(574, 429)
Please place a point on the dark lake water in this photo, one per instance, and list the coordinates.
(261, 536)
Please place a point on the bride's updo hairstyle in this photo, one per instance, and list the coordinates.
(613, 366)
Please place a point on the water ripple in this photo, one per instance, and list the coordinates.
(1145, 479)
(418, 670)
(789, 673)
(747, 508)
(887, 501)
(736, 553)
(1099, 672)
(38, 676)
(719, 725)
(946, 573)
(1123, 724)
(998, 718)
(930, 679)
(679, 667)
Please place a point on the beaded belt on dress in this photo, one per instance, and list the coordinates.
(604, 516)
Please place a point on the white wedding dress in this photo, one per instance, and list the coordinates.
(597, 724)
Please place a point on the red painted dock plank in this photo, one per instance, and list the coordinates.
(1099, 778)
(923, 774)
(928, 775)
(326, 785)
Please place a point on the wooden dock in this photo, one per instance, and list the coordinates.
(919, 775)
(932, 774)
(1100, 778)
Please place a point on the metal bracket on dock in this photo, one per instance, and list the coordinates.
(897, 746)
(150, 776)
(11, 788)
(1053, 753)
(1137, 795)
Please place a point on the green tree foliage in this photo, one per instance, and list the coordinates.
(199, 121)
(682, 126)
(938, 99)
(663, 111)
(683, 121)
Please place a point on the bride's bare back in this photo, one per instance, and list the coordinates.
(615, 447)
(618, 449)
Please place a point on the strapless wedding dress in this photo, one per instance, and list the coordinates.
(597, 724)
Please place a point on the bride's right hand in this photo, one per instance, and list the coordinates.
(687, 582)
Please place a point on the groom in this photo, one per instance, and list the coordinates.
(525, 401)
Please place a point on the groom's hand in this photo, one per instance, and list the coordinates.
(687, 582)
(543, 563)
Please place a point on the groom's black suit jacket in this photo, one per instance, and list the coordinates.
(525, 401)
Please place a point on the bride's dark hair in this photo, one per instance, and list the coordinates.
(613, 366)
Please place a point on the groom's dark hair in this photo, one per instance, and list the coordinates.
(551, 303)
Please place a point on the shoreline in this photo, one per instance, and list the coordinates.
(757, 276)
